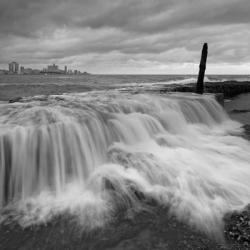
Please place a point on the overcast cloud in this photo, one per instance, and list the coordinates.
(126, 36)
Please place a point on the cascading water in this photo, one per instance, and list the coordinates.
(59, 153)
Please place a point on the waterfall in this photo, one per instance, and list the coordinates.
(71, 153)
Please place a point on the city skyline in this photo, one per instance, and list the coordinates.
(16, 68)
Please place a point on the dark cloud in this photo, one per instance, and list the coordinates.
(158, 16)
(131, 33)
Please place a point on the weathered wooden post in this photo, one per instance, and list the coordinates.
(200, 81)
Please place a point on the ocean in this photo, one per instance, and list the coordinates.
(90, 153)
(96, 81)
(12, 86)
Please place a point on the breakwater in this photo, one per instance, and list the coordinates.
(228, 88)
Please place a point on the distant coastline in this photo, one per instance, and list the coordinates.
(16, 69)
(6, 72)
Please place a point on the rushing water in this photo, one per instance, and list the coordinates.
(85, 153)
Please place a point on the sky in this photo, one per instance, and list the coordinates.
(127, 36)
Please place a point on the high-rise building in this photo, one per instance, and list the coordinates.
(52, 68)
(14, 67)
(65, 70)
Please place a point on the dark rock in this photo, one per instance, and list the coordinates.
(228, 88)
(220, 98)
(237, 227)
(16, 99)
(240, 111)
(247, 133)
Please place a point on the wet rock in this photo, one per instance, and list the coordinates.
(240, 111)
(228, 88)
(220, 98)
(16, 99)
(237, 227)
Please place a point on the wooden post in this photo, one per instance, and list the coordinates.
(200, 81)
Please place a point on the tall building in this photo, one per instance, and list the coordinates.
(65, 70)
(14, 67)
(52, 68)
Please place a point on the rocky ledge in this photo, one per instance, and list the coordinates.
(237, 227)
(228, 88)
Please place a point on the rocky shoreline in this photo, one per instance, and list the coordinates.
(237, 227)
(228, 88)
(152, 229)
(14, 93)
